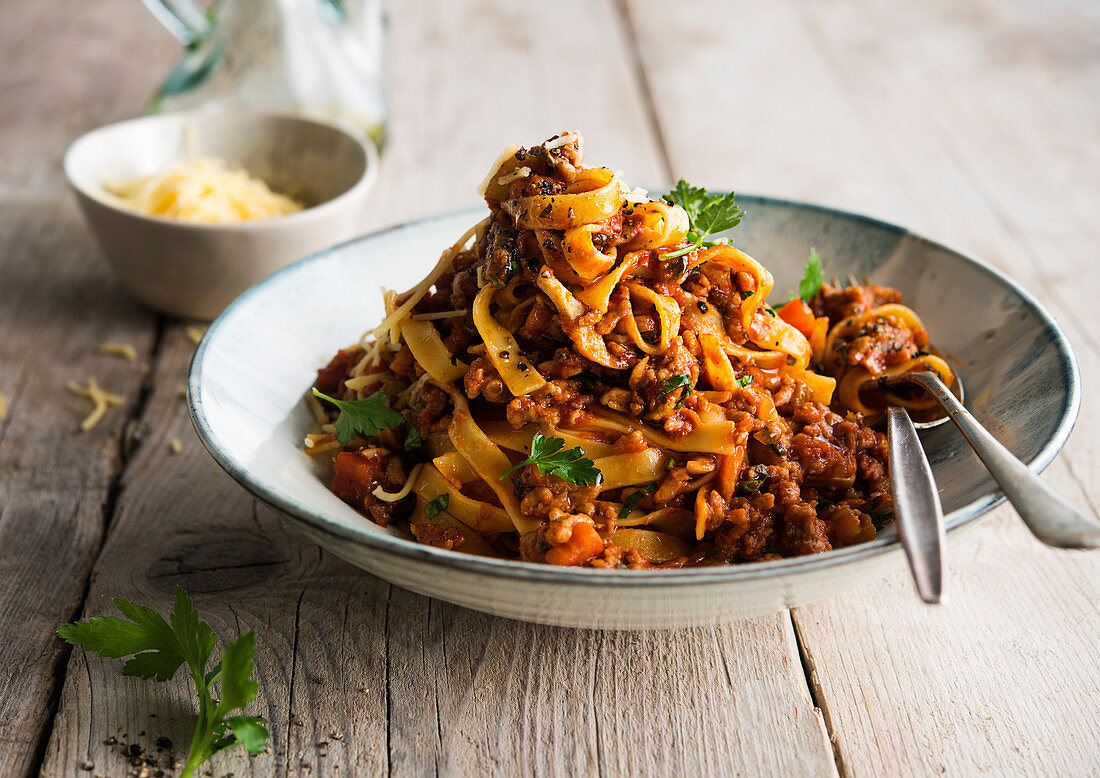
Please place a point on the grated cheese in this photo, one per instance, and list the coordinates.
(440, 315)
(203, 190)
(501, 159)
(101, 401)
(519, 172)
(561, 140)
(124, 350)
(385, 496)
(3, 405)
(176, 445)
(195, 332)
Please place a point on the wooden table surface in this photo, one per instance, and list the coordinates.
(973, 122)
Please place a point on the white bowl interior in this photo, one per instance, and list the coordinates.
(299, 157)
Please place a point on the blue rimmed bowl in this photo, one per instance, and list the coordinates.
(256, 361)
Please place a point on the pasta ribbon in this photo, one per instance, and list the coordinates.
(427, 348)
(740, 262)
(595, 195)
(629, 469)
(656, 547)
(501, 348)
(488, 461)
(771, 332)
(597, 295)
(587, 261)
(660, 225)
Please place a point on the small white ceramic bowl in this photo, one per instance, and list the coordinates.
(195, 270)
(259, 358)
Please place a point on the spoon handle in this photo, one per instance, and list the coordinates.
(916, 505)
(1048, 515)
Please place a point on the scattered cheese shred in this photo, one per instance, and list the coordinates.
(176, 445)
(124, 350)
(440, 315)
(101, 401)
(203, 190)
(561, 140)
(195, 332)
(3, 405)
(515, 175)
(385, 496)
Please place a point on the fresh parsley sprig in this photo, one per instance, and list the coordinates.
(368, 416)
(707, 214)
(812, 278)
(571, 466)
(158, 647)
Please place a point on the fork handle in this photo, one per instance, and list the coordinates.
(1048, 515)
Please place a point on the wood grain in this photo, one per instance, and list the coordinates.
(972, 122)
(946, 119)
(57, 304)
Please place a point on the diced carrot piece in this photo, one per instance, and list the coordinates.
(353, 479)
(582, 545)
(797, 314)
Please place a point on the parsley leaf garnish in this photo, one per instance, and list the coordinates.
(437, 506)
(669, 385)
(413, 441)
(744, 381)
(707, 214)
(748, 487)
(158, 647)
(675, 382)
(571, 466)
(368, 416)
(636, 497)
(812, 278)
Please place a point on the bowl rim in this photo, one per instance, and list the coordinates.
(299, 511)
(362, 185)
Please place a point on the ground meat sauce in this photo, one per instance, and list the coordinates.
(812, 481)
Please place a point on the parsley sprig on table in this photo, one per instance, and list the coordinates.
(571, 466)
(812, 278)
(368, 416)
(157, 648)
(707, 214)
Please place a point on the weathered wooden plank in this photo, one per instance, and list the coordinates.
(952, 119)
(57, 304)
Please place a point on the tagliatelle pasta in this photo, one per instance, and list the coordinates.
(587, 378)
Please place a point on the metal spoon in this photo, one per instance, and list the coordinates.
(917, 507)
(1048, 515)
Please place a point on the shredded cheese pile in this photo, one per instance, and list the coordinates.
(203, 190)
